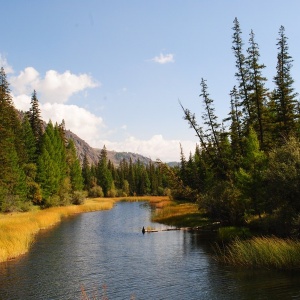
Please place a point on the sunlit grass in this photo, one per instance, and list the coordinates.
(151, 199)
(17, 230)
(263, 252)
(180, 215)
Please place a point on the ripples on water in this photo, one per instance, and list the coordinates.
(108, 248)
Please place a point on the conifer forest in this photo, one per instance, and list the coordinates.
(245, 167)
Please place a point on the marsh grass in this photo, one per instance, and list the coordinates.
(262, 252)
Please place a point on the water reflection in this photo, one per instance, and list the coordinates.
(108, 248)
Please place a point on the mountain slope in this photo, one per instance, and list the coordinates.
(83, 148)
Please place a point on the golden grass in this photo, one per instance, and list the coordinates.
(17, 230)
(180, 215)
(263, 252)
(151, 199)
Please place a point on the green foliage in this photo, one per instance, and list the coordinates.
(104, 176)
(74, 168)
(250, 172)
(96, 191)
(78, 197)
(283, 177)
(229, 233)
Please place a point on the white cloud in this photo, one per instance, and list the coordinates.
(22, 102)
(80, 121)
(163, 59)
(54, 87)
(83, 123)
(155, 148)
(3, 63)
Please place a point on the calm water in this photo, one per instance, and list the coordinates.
(106, 252)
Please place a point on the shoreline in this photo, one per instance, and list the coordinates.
(18, 230)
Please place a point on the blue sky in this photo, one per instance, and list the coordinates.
(114, 70)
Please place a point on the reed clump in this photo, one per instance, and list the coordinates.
(262, 252)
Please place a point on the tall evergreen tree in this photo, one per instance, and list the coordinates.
(86, 173)
(74, 168)
(12, 153)
(236, 133)
(29, 141)
(242, 73)
(284, 95)
(104, 176)
(52, 165)
(210, 119)
(258, 92)
(35, 120)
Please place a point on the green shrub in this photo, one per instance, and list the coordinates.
(78, 197)
(52, 201)
(229, 233)
(96, 191)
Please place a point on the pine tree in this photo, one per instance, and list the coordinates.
(52, 166)
(131, 178)
(74, 167)
(29, 141)
(236, 134)
(48, 169)
(104, 177)
(86, 173)
(242, 73)
(13, 187)
(258, 92)
(35, 120)
(210, 119)
(284, 96)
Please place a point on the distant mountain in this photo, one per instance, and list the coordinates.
(83, 148)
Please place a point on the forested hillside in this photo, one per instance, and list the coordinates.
(247, 167)
(40, 164)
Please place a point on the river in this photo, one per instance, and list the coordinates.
(106, 254)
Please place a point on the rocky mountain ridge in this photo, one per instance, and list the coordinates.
(83, 148)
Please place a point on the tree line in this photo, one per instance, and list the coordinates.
(39, 166)
(248, 165)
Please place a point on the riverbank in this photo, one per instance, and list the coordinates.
(18, 230)
(180, 215)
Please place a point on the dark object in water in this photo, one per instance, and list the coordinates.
(143, 230)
